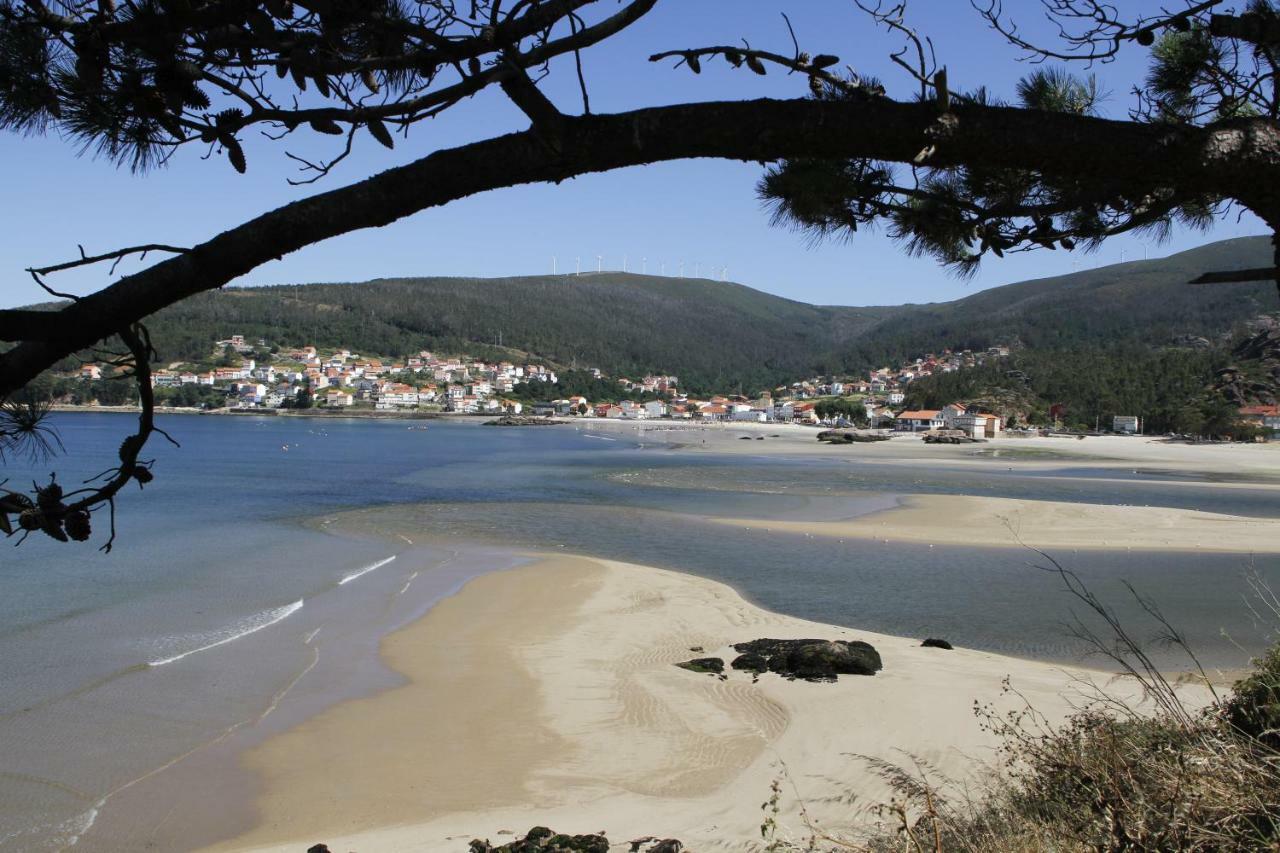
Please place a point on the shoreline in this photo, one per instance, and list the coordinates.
(1029, 453)
(1016, 523)
(546, 694)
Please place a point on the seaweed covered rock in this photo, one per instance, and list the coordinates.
(540, 839)
(812, 660)
(711, 665)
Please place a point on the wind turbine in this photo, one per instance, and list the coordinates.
(599, 263)
(624, 263)
(577, 265)
(697, 269)
(644, 266)
(553, 264)
(664, 267)
(682, 269)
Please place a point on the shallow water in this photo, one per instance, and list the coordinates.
(256, 574)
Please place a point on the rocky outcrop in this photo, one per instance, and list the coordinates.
(845, 436)
(523, 420)
(715, 666)
(1255, 377)
(935, 643)
(950, 436)
(811, 660)
(543, 840)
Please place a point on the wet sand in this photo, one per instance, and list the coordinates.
(547, 695)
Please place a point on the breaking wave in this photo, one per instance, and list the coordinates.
(243, 628)
(358, 572)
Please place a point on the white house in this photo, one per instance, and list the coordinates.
(950, 413)
(919, 420)
(979, 424)
(1125, 423)
(655, 409)
(337, 397)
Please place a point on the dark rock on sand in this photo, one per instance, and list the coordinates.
(543, 840)
(935, 643)
(711, 665)
(837, 436)
(812, 660)
(523, 420)
(751, 662)
(318, 848)
(651, 844)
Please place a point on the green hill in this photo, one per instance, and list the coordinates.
(1140, 303)
(712, 334)
(724, 336)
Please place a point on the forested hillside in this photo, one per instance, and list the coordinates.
(712, 334)
(1165, 387)
(1140, 303)
(727, 337)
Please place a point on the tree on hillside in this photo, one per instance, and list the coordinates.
(950, 172)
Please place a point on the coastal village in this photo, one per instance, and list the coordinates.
(242, 376)
(247, 375)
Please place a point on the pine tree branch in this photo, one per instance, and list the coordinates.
(1234, 160)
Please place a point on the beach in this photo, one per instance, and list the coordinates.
(548, 695)
(477, 632)
(974, 520)
(1124, 454)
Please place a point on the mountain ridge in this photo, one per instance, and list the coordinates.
(725, 335)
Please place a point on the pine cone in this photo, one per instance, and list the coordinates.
(50, 497)
(77, 525)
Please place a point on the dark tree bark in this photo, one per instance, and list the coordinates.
(1239, 160)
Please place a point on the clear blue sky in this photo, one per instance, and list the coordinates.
(702, 212)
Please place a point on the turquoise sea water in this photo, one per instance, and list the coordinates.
(230, 608)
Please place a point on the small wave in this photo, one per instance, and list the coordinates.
(242, 629)
(407, 583)
(601, 437)
(358, 572)
(76, 827)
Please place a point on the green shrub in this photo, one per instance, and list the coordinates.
(1254, 706)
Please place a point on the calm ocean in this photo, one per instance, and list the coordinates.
(252, 581)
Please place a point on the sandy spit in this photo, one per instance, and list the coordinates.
(547, 695)
(972, 520)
